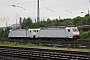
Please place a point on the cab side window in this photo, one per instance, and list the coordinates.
(30, 31)
(68, 30)
(37, 30)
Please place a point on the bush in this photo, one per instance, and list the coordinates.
(80, 46)
(6, 43)
(15, 44)
(80, 30)
(74, 47)
(85, 35)
(3, 39)
(0, 42)
(40, 44)
(21, 41)
(69, 45)
(29, 44)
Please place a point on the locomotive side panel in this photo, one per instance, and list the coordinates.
(18, 33)
(53, 33)
(61, 33)
(43, 33)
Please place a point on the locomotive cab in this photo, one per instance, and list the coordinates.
(69, 33)
(33, 33)
(75, 33)
(72, 32)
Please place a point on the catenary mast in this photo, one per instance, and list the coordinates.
(38, 18)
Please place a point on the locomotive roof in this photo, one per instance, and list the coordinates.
(18, 30)
(51, 28)
(55, 28)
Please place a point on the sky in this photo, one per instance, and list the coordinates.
(12, 10)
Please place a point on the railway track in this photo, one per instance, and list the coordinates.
(41, 54)
(54, 42)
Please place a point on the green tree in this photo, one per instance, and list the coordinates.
(27, 23)
(77, 21)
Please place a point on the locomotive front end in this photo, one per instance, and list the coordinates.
(76, 33)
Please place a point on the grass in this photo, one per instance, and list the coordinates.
(29, 45)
